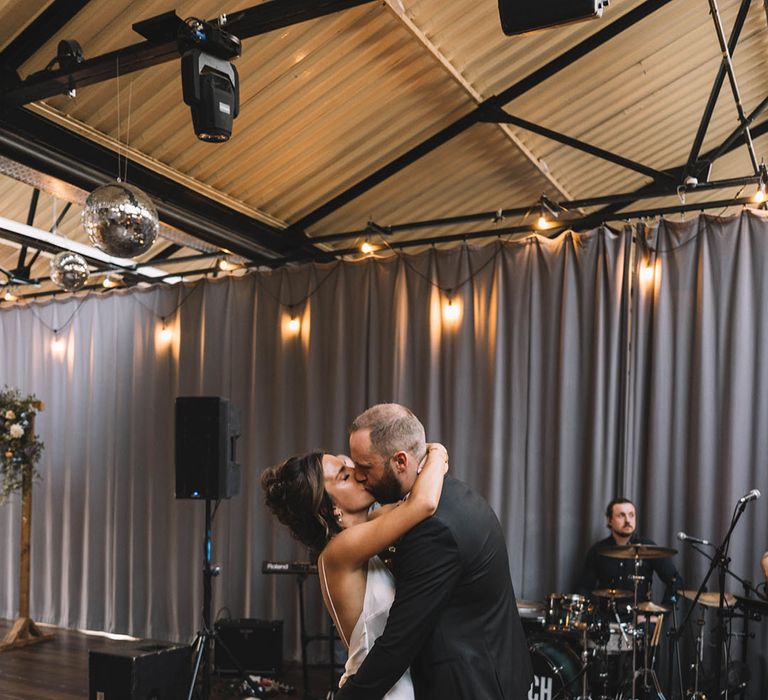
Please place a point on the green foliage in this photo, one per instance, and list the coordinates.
(19, 447)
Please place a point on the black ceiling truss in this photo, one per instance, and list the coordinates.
(161, 46)
(664, 183)
(475, 116)
(262, 244)
(32, 140)
(43, 28)
(563, 206)
(694, 167)
(499, 116)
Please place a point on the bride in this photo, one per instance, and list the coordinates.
(318, 498)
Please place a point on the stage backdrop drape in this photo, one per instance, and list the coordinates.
(523, 389)
(698, 437)
(562, 382)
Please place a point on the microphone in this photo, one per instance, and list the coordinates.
(697, 540)
(753, 495)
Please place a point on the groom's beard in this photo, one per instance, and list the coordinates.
(388, 490)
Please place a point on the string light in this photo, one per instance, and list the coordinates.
(293, 324)
(166, 334)
(109, 282)
(366, 248)
(10, 296)
(57, 344)
(759, 196)
(649, 272)
(227, 265)
(451, 310)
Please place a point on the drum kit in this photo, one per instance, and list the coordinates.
(597, 648)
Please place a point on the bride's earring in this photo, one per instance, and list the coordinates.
(337, 514)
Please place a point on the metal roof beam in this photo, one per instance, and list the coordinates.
(34, 141)
(496, 114)
(738, 25)
(622, 198)
(41, 30)
(468, 120)
(253, 21)
(728, 63)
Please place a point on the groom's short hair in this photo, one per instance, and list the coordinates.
(393, 428)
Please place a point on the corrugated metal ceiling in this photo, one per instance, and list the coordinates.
(328, 102)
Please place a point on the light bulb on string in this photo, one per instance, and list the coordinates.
(650, 270)
(57, 344)
(366, 248)
(451, 309)
(10, 296)
(294, 324)
(166, 334)
(109, 282)
(291, 322)
(759, 196)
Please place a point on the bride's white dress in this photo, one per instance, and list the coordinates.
(379, 594)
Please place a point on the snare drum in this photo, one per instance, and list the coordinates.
(611, 639)
(567, 612)
(556, 669)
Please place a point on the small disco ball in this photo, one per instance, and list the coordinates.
(120, 220)
(69, 270)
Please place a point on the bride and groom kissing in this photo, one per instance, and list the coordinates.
(444, 624)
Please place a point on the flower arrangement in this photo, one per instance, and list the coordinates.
(19, 447)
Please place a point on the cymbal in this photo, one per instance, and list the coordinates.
(710, 600)
(530, 605)
(648, 606)
(612, 593)
(639, 551)
(754, 605)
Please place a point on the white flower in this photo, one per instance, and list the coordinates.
(16, 431)
(10, 415)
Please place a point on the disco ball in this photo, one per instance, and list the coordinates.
(120, 220)
(69, 270)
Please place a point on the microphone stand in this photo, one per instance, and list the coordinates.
(719, 561)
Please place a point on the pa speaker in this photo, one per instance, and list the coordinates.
(207, 428)
(139, 671)
(519, 17)
(256, 645)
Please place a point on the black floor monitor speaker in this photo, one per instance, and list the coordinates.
(518, 17)
(139, 671)
(256, 644)
(207, 428)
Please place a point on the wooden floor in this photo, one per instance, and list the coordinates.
(58, 670)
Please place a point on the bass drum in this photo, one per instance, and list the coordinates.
(556, 670)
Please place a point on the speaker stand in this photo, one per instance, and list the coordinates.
(207, 635)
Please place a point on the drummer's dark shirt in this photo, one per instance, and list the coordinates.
(608, 572)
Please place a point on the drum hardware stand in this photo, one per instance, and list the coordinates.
(719, 561)
(696, 694)
(674, 646)
(206, 636)
(645, 671)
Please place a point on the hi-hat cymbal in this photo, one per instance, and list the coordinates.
(612, 593)
(710, 600)
(637, 551)
(648, 606)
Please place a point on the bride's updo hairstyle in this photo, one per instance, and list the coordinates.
(295, 492)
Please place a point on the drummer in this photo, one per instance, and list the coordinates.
(601, 572)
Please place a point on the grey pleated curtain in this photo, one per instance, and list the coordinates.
(545, 392)
(698, 437)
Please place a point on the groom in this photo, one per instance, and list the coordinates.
(454, 620)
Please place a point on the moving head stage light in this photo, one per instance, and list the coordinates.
(209, 81)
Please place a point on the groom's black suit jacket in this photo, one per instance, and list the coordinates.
(454, 620)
